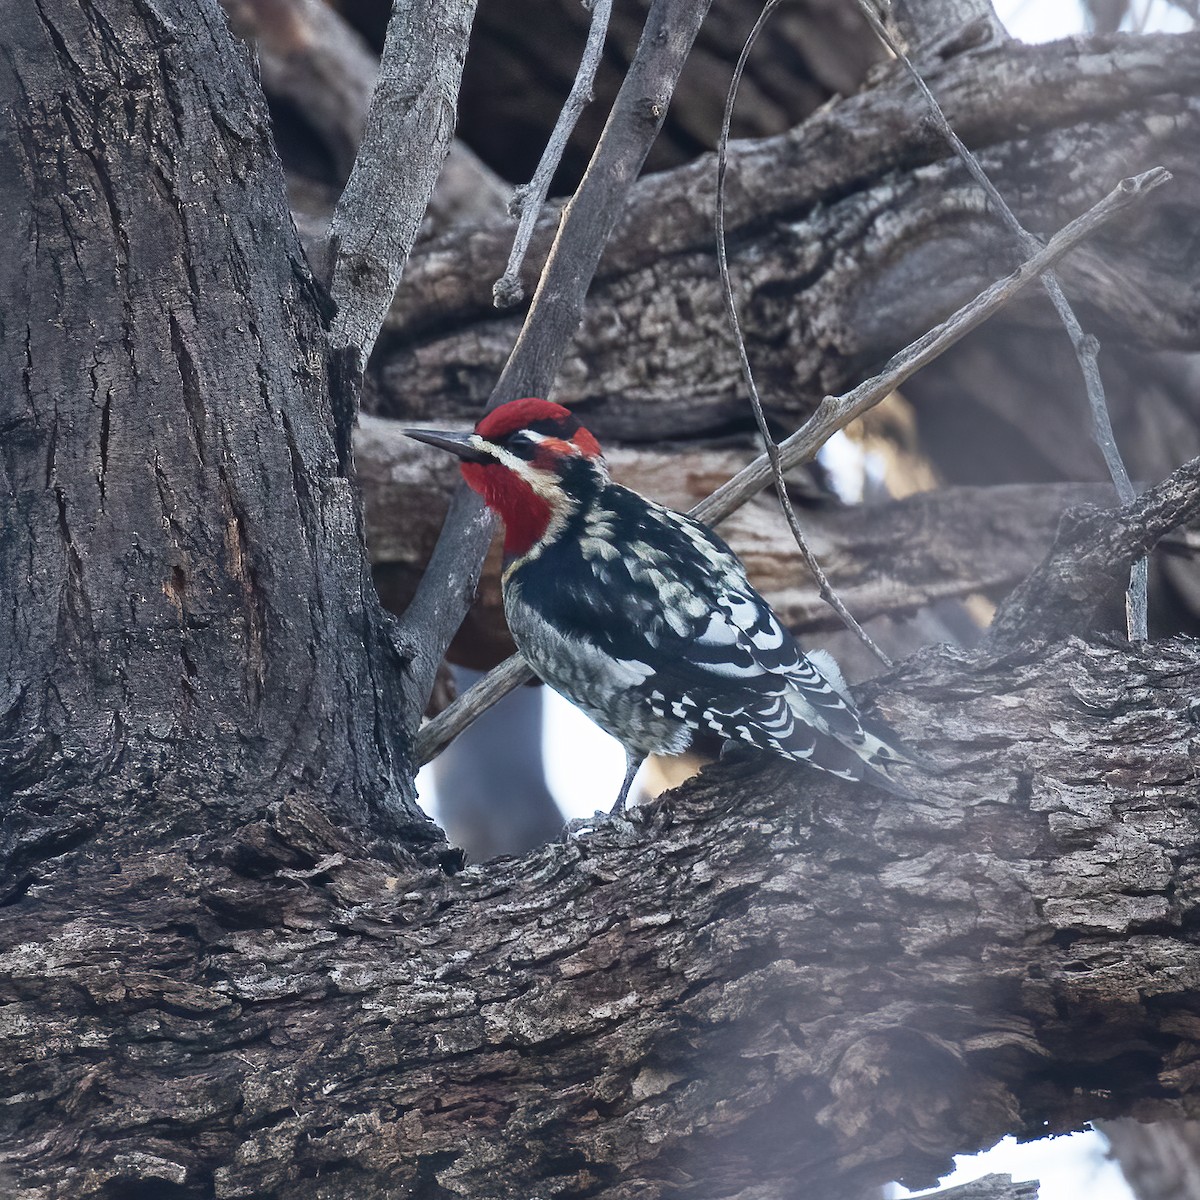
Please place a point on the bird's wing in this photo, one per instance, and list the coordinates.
(664, 591)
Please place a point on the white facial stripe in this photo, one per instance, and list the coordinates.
(542, 482)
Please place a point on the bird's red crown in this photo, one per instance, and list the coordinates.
(541, 416)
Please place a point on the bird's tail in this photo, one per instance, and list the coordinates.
(871, 762)
(851, 746)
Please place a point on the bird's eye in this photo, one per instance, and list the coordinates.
(521, 443)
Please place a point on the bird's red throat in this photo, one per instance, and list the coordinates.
(525, 514)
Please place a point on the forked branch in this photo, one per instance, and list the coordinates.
(448, 584)
(527, 201)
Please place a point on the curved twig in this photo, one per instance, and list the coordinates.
(810, 559)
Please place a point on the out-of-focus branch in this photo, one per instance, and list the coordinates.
(310, 56)
(1092, 552)
(1159, 1161)
(923, 23)
(442, 599)
(834, 413)
(409, 128)
(1105, 16)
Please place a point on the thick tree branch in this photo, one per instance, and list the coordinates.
(847, 236)
(409, 128)
(765, 977)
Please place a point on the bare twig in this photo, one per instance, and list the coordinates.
(554, 314)
(810, 559)
(834, 413)
(408, 132)
(528, 200)
(1085, 345)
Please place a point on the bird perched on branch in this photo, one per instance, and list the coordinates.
(644, 618)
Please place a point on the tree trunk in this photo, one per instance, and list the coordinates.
(193, 636)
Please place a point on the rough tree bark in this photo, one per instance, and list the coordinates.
(192, 634)
(231, 960)
(847, 235)
(764, 985)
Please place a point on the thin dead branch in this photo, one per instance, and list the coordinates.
(810, 560)
(527, 201)
(1086, 347)
(834, 413)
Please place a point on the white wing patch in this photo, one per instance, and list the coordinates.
(720, 631)
(768, 639)
(743, 612)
